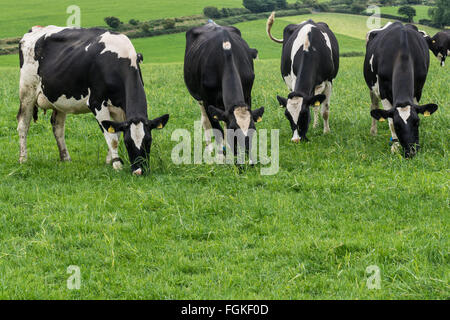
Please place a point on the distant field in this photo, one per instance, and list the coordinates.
(421, 11)
(350, 31)
(16, 17)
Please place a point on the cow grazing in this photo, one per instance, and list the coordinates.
(219, 74)
(309, 63)
(71, 70)
(395, 70)
(440, 45)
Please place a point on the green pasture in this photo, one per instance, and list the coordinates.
(337, 205)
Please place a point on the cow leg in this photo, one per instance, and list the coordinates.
(206, 126)
(395, 145)
(112, 139)
(316, 116)
(209, 124)
(27, 104)
(326, 107)
(118, 115)
(58, 120)
(375, 105)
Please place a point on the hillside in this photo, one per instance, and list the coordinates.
(16, 17)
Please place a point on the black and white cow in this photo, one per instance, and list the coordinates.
(72, 70)
(395, 70)
(439, 44)
(219, 74)
(309, 63)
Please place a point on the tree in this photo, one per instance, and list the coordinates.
(259, 5)
(211, 12)
(407, 11)
(113, 22)
(281, 4)
(168, 24)
(440, 15)
(309, 3)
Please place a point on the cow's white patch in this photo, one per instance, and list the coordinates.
(376, 88)
(424, 34)
(137, 134)
(301, 40)
(294, 106)
(121, 45)
(87, 47)
(374, 30)
(404, 113)
(290, 81)
(295, 136)
(242, 115)
(70, 105)
(328, 42)
(320, 88)
(49, 30)
(371, 62)
(226, 45)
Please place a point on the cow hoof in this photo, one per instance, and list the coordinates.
(137, 172)
(22, 159)
(373, 132)
(65, 157)
(209, 148)
(326, 130)
(295, 140)
(395, 147)
(117, 165)
(220, 158)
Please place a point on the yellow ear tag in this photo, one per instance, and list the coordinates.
(382, 119)
(159, 126)
(111, 130)
(434, 41)
(259, 119)
(426, 114)
(317, 103)
(215, 117)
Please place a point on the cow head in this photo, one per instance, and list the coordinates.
(298, 114)
(137, 135)
(438, 46)
(240, 121)
(406, 124)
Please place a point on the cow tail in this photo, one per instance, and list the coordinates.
(269, 24)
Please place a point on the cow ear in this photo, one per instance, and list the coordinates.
(216, 113)
(140, 57)
(257, 114)
(380, 114)
(254, 53)
(317, 100)
(429, 41)
(427, 109)
(282, 101)
(158, 123)
(113, 127)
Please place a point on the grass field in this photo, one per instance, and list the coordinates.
(16, 18)
(340, 203)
